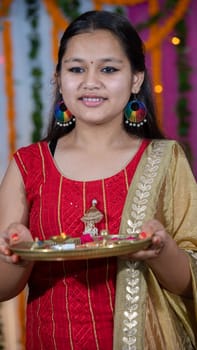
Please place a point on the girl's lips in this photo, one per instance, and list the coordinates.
(92, 101)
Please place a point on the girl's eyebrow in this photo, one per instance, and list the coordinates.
(68, 60)
(102, 60)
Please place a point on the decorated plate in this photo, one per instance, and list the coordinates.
(72, 250)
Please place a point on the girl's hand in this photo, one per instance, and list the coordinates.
(160, 240)
(168, 262)
(14, 234)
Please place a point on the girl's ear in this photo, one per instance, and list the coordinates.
(138, 79)
(58, 81)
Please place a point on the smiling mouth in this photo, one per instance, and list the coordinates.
(92, 101)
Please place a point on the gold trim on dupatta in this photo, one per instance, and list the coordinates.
(129, 322)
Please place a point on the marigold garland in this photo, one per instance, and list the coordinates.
(98, 4)
(4, 7)
(168, 26)
(33, 17)
(156, 60)
(22, 312)
(9, 86)
(59, 23)
(163, 31)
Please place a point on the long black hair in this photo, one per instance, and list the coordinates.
(133, 47)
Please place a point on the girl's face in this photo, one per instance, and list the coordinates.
(96, 79)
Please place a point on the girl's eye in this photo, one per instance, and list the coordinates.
(76, 70)
(109, 69)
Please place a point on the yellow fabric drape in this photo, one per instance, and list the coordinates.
(141, 303)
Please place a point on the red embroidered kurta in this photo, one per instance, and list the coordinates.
(70, 303)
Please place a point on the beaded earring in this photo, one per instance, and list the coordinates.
(62, 115)
(135, 113)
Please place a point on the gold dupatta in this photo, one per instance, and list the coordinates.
(147, 316)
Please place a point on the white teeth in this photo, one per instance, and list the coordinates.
(91, 99)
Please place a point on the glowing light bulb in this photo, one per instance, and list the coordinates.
(175, 40)
(158, 88)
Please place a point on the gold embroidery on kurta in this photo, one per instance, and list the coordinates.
(53, 320)
(108, 287)
(23, 166)
(59, 204)
(105, 205)
(67, 307)
(90, 306)
(40, 191)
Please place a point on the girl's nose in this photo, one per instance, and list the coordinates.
(91, 80)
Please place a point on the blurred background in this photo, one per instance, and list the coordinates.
(29, 34)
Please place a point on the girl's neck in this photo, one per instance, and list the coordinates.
(98, 137)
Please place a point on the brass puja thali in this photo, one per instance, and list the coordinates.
(59, 248)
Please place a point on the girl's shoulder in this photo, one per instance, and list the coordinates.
(30, 160)
(31, 150)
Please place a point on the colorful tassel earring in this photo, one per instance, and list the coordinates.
(62, 115)
(135, 113)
